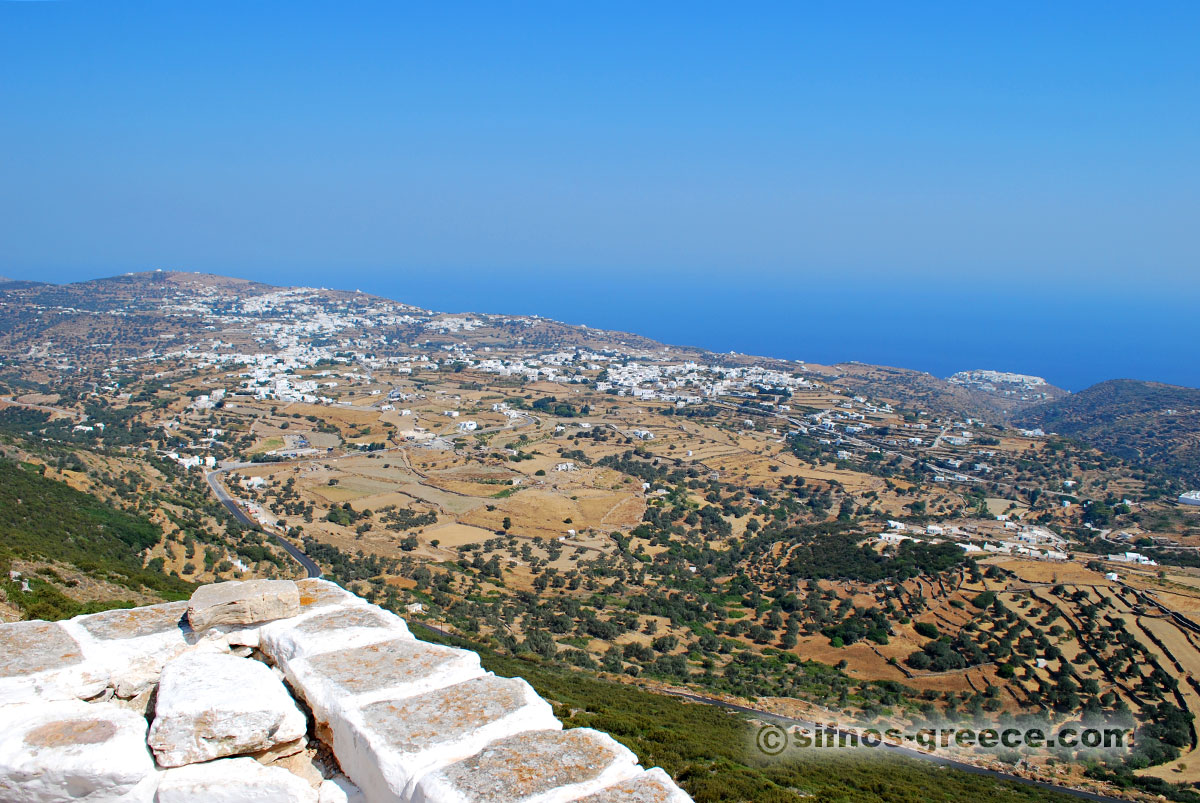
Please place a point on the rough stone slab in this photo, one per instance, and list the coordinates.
(74, 751)
(535, 767)
(243, 603)
(134, 644)
(233, 780)
(42, 661)
(390, 670)
(339, 790)
(169, 618)
(652, 786)
(316, 594)
(385, 747)
(338, 628)
(214, 705)
(280, 751)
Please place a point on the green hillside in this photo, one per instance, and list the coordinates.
(46, 520)
(1146, 423)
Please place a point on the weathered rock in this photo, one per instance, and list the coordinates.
(316, 593)
(652, 786)
(391, 670)
(326, 629)
(541, 766)
(242, 603)
(42, 661)
(132, 645)
(340, 790)
(281, 750)
(303, 766)
(387, 746)
(233, 780)
(142, 704)
(214, 705)
(74, 751)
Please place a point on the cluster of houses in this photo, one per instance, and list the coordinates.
(1022, 386)
(1035, 543)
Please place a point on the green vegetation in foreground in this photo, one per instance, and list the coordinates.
(709, 751)
(46, 520)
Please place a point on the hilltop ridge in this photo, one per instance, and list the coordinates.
(161, 302)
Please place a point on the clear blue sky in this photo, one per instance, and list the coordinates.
(930, 182)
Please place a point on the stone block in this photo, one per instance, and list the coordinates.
(652, 786)
(340, 790)
(534, 767)
(242, 603)
(233, 780)
(215, 705)
(391, 670)
(132, 645)
(71, 751)
(316, 594)
(385, 747)
(42, 661)
(324, 630)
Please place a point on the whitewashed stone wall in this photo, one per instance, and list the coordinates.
(283, 692)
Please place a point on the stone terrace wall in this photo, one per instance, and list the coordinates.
(281, 691)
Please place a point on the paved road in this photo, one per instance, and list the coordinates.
(214, 482)
(80, 417)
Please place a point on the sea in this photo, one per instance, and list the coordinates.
(1071, 333)
(1071, 336)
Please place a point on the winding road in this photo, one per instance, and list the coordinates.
(214, 482)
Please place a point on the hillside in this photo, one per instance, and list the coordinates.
(593, 501)
(48, 525)
(961, 394)
(1145, 422)
(124, 316)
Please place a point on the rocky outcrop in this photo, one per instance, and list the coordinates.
(217, 688)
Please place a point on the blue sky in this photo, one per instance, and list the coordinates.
(887, 162)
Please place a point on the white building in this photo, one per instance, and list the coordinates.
(1132, 557)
